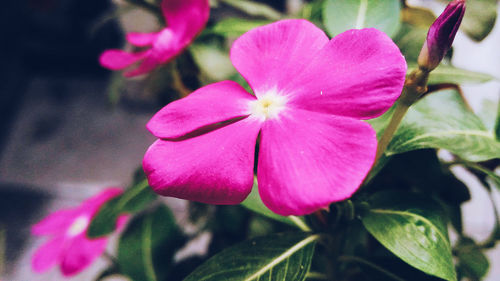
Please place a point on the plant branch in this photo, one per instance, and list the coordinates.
(415, 86)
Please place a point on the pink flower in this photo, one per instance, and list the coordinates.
(310, 94)
(185, 19)
(68, 245)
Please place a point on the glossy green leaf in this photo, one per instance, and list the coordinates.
(146, 248)
(341, 15)
(285, 256)
(453, 75)
(235, 27)
(471, 261)
(441, 120)
(255, 204)
(254, 9)
(412, 228)
(479, 19)
(131, 201)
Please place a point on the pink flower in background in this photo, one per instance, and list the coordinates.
(311, 94)
(68, 245)
(185, 19)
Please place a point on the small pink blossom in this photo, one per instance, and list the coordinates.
(311, 94)
(68, 245)
(185, 19)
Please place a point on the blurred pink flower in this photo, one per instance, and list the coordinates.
(68, 245)
(185, 19)
(310, 94)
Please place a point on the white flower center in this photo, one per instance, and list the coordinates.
(79, 225)
(267, 106)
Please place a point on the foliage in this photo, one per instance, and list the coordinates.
(396, 225)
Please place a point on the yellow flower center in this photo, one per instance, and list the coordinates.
(267, 106)
(79, 225)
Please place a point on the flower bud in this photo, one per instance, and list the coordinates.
(441, 35)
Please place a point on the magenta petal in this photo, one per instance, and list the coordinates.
(214, 168)
(186, 18)
(80, 253)
(55, 223)
(308, 160)
(270, 57)
(118, 59)
(48, 254)
(141, 39)
(359, 74)
(209, 105)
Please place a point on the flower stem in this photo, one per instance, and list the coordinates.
(177, 81)
(300, 224)
(370, 264)
(415, 86)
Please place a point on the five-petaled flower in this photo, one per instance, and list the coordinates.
(310, 96)
(185, 19)
(69, 246)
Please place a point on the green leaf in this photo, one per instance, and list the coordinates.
(213, 61)
(410, 40)
(254, 9)
(453, 75)
(146, 248)
(479, 19)
(441, 120)
(471, 261)
(255, 204)
(131, 201)
(341, 15)
(235, 27)
(285, 256)
(412, 228)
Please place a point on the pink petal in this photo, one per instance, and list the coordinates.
(118, 59)
(270, 57)
(214, 168)
(186, 17)
(141, 39)
(48, 254)
(360, 74)
(56, 222)
(209, 105)
(80, 253)
(308, 160)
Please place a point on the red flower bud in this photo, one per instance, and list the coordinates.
(441, 35)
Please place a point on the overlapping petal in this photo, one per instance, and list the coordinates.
(48, 254)
(207, 106)
(186, 17)
(308, 160)
(118, 59)
(80, 253)
(359, 73)
(140, 39)
(270, 57)
(215, 167)
(53, 223)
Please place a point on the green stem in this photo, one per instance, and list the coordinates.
(415, 86)
(177, 82)
(370, 264)
(300, 223)
(128, 195)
